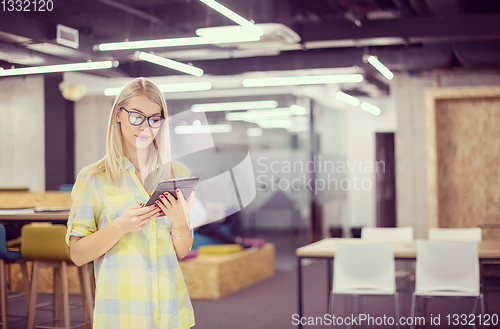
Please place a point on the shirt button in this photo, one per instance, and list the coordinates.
(154, 276)
(156, 294)
(153, 258)
(156, 311)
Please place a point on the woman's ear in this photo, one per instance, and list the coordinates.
(118, 115)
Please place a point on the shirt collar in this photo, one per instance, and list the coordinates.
(127, 164)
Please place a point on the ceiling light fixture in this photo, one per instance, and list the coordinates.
(255, 115)
(373, 60)
(302, 80)
(346, 98)
(351, 100)
(178, 66)
(370, 108)
(59, 68)
(169, 88)
(297, 110)
(203, 129)
(254, 132)
(178, 42)
(233, 16)
(229, 106)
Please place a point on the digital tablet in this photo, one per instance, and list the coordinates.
(186, 185)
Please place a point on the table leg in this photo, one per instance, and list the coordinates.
(329, 282)
(299, 288)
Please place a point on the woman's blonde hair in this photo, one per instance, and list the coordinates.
(159, 149)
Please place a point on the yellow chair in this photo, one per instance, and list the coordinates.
(44, 244)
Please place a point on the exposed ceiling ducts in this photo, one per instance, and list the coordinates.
(404, 34)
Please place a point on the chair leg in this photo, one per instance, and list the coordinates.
(33, 294)
(57, 297)
(481, 296)
(26, 279)
(80, 270)
(412, 311)
(330, 307)
(396, 302)
(64, 277)
(86, 290)
(3, 293)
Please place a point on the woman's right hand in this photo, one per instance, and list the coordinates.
(135, 217)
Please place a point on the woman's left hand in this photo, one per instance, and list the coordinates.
(176, 210)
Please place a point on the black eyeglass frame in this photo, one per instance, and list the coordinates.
(144, 118)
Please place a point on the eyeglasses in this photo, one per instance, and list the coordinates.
(136, 119)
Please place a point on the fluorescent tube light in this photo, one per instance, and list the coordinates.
(254, 132)
(289, 123)
(346, 98)
(229, 106)
(228, 30)
(170, 88)
(302, 80)
(169, 63)
(59, 68)
(233, 16)
(286, 123)
(370, 108)
(373, 60)
(297, 129)
(254, 115)
(297, 110)
(203, 129)
(177, 42)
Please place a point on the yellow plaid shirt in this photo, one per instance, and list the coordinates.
(139, 283)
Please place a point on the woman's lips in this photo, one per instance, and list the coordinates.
(143, 138)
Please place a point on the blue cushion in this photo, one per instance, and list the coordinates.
(12, 255)
(202, 239)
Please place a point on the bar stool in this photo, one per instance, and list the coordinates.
(9, 257)
(45, 245)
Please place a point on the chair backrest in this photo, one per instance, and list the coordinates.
(363, 266)
(3, 246)
(44, 242)
(447, 268)
(455, 234)
(387, 233)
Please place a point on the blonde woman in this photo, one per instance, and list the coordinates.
(135, 249)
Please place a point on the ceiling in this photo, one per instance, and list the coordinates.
(406, 35)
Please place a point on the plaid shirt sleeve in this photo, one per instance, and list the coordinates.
(85, 209)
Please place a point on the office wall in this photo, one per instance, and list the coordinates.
(91, 125)
(22, 151)
(411, 154)
(357, 140)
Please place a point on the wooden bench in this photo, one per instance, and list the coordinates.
(215, 276)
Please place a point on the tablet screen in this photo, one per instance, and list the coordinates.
(186, 185)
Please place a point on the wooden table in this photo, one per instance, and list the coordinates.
(325, 249)
(56, 217)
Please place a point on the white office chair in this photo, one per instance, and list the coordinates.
(455, 234)
(447, 269)
(363, 268)
(404, 234)
(387, 233)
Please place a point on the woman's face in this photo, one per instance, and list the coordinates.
(138, 137)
